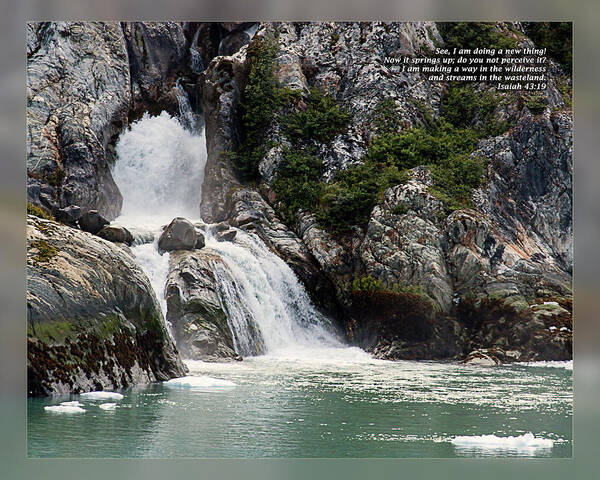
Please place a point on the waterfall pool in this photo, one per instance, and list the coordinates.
(326, 402)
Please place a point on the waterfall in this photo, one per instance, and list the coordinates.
(159, 171)
(187, 117)
(268, 308)
(196, 64)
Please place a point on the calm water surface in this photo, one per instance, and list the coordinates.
(321, 403)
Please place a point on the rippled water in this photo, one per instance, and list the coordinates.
(321, 403)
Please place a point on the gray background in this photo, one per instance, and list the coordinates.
(13, 461)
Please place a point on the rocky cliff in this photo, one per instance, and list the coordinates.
(429, 219)
(501, 253)
(93, 321)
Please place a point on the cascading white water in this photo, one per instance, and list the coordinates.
(260, 290)
(196, 64)
(159, 171)
(187, 117)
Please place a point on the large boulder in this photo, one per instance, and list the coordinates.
(194, 308)
(116, 233)
(92, 222)
(180, 234)
(93, 321)
(68, 215)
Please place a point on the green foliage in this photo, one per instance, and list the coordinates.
(46, 251)
(348, 200)
(297, 185)
(536, 103)
(385, 116)
(420, 146)
(455, 178)
(259, 103)
(316, 118)
(367, 284)
(38, 211)
(465, 108)
(564, 87)
(320, 121)
(474, 35)
(557, 38)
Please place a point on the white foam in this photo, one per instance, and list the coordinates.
(160, 168)
(321, 355)
(64, 409)
(526, 441)
(102, 395)
(566, 364)
(199, 382)
(108, 406)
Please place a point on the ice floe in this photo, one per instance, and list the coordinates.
(108, 406)
(101, 396)
(64, 409)
(526, 441)
(74, 403)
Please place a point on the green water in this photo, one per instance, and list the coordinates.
(332, 403)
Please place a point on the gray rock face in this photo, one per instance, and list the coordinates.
(404, 243)
(221, 85)
(157, 53)
(516, 244)
(93, 321)
(105, 70)
(194, 308)
(324, 55)
(116, 233)
(92, 222)
(67, 141)
(233, 42)
(530, 191)
(180, 234)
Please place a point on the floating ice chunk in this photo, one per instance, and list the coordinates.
(199, 382)
(74, 403)
(526, 441)
(108, 406)
(101, 396)
(64, 409)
